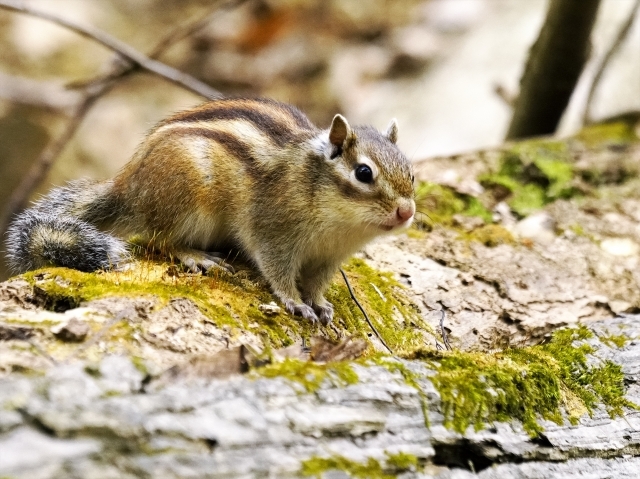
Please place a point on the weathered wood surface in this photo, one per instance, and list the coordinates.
(107, 422)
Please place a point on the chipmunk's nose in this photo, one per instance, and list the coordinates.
(406, 211)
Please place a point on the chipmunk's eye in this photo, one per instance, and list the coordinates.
(364, 174)
(413, 179)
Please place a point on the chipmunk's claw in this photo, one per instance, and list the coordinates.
(301, 309)
(325, 313)
(199, 261)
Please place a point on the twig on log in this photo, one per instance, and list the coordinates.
(443, 332)
(366, 316)
(93, 90)
(126, 51)
(606, 59)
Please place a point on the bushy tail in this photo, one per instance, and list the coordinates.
(62, 230)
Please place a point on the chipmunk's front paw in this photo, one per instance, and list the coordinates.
(301, 309)
(324, 312)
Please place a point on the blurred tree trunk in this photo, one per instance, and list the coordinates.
(553, 68)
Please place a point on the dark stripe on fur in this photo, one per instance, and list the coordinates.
(275, 128)
(300, 118)
(231, 143)
(279, 133)
(347, 189)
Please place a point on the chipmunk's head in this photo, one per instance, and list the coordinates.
(373, 179)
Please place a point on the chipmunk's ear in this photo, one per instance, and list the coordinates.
(392, 131)
(340, 131)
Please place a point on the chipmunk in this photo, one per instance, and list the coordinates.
(253, 174)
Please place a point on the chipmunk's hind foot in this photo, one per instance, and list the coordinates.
(200, 261)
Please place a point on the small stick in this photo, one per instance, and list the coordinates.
(379, 292)
(41, 351)
(443, 332)
(353, 296)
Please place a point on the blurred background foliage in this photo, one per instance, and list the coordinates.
(433, 64)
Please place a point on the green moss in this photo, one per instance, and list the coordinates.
(477, 388)
(527, 384)
(315, 466)
(65, 288)
(531, 174)
(416, 233)
(372, 469)
(310, 374)
(473, 207)
(402, 461)
(614, 340)
(491, 235)
(535, 172)
(619, 132)
(233, 300)
(233, 303)
(439, 203)
(140, 364)
(559, 174)
(396, 319)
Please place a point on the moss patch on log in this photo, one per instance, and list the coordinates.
(532, 174)
(437, 204)
(545, 381)
(617, 131)
(440, 204)
(310, 374)
(372, 469)
(233, 300)
(536, 172)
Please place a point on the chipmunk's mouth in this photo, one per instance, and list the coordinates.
(399, 225)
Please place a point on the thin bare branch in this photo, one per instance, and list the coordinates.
(126, 51)
(606, 59)
(41, 166)
(189, 28)
(366, 316)
(93, 90)
(45, 94)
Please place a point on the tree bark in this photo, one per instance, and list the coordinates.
(553, 68)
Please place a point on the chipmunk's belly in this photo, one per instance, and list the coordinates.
(204, 230)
